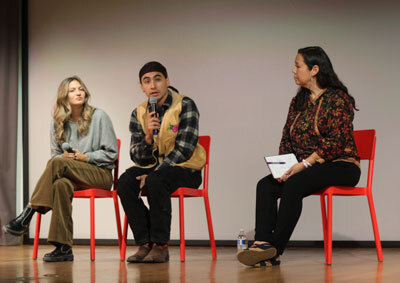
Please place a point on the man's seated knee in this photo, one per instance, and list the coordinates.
(128, 178)
(123, 183)
(153, 181)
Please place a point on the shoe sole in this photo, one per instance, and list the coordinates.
(252, 257)
(59, 259)
(156, 261)
(12, 232)
(134, 261)
(163, 261)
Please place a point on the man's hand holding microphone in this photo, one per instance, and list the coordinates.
(152, 122)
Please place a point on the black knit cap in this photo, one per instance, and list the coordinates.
(152, 66)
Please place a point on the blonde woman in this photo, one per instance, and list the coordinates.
(83, 151)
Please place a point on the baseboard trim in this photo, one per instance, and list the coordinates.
(232, 243)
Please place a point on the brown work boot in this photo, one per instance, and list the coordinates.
(157, 254)
(142, 252)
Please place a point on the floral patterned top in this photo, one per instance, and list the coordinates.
(325, 127)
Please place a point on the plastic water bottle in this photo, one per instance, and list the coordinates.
(241, 240)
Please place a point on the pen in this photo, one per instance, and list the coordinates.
(280, 162)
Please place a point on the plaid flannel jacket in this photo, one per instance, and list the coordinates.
(185, 143)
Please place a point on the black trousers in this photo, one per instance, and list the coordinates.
(154, 224)
(276, 225)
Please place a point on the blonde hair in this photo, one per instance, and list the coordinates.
(62, 110)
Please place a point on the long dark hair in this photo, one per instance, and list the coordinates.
(326, 77)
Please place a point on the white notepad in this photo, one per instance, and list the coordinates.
(279, 164)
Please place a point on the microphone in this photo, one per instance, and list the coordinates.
(66, 147)
(153, 101)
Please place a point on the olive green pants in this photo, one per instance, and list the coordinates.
(55, 190)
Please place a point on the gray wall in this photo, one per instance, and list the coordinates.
(234, 58)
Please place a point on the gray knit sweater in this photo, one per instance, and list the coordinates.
(100, 143)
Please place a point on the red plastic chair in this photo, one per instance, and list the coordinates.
(91, 193)
(187, 192)
(365, 142)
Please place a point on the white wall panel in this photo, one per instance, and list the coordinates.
(234, 58)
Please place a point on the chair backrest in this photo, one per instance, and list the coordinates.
(205, 142)
(116, 166)
(365, 142)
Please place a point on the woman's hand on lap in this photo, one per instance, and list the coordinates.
(293, 170)
(80, 156)
(68, 155)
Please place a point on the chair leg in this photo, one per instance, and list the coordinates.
(375, 227)
(329, 232)
(92, 244)
(122, 252)
(210, 227)
(116, 206)
(37, 232)
(324, 226)
(182, 227)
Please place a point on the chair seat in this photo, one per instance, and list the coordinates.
(188, 192)
(343, 191)
(93, 192)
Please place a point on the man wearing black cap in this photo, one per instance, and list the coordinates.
(167, 155)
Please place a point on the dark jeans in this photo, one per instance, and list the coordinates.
(154, 224)
(276, 225)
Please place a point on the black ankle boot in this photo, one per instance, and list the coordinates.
(60, 253)
(20, 225)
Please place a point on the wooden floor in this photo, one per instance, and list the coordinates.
(298, 265)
